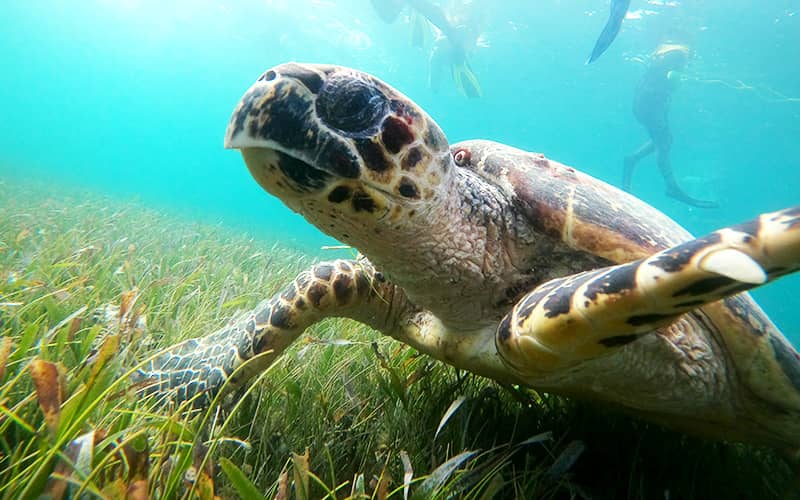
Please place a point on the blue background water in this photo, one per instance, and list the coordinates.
(132, 97)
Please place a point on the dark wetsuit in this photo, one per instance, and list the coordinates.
(651, 106)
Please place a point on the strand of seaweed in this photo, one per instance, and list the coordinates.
(763, 92)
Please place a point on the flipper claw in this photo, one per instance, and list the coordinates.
(735, 265)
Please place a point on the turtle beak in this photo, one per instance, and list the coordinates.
(278, 113)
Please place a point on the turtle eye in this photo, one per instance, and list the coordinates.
(351, 105)
(461, 157)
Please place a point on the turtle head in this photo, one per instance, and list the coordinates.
(340, 147)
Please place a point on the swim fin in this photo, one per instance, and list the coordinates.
(465, 80)
(618, 10)
(421, 31)
(388, 10)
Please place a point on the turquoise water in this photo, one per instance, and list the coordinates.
(132, 98)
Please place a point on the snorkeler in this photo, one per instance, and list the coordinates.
(618, 10)
(651, 107)
(447, 54)
(449, 47)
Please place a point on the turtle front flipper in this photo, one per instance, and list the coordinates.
(571, 319)
(199, 368)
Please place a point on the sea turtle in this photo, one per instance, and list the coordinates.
(504, 263)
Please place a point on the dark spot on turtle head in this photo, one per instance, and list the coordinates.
(339, 194)
(304, 176)
(281, 317)
(342, 288)
(504, 330)
(310, 78)
(316, 293)
(244, 110)
(650, 319)
(788, 359)
(338, 158)
(380, 277)
(407, 188)
(396, 134)
(618, 340)
(323, 271)
(675, 259)
(412, 158)
(373, 155)
(363, 202)
(404, 111)
(618, 280)
(285, 116)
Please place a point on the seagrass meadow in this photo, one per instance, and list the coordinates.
(91, 285)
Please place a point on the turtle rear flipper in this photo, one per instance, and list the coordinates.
(571, 319)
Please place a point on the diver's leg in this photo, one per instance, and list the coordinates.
(568, 320)
(632, 160)
(200, 367)
(662, 138)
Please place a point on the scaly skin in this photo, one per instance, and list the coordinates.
(474, 233)
(199, 368)
(567, 320)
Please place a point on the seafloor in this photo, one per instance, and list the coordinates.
(345, 413)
